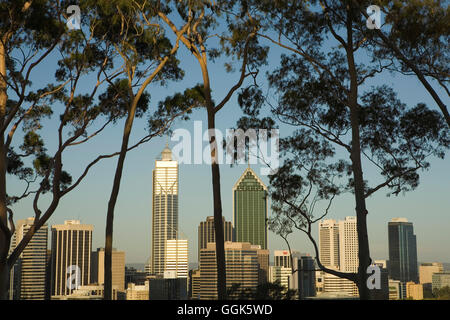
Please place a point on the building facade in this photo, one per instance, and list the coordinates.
(250, 207)
(176, 259)
(117, 268)
(164, 209)
(71, 257)
(426, 271)
(329, 243)
(242, 268)
(402, 251)
(304, 277)
(440, 280)
(27, 280)
(207, 234)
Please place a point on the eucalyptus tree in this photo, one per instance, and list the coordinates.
(220, 31)
(414, 37)
(321, 89)
(135, 31)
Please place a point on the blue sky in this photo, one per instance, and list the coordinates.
(428, 207)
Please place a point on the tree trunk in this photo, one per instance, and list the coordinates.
(355, 156)
(112, 203)
(218, 221)
(4, 237)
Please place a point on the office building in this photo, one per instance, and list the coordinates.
(329, 243)
(263, 262)
(348, 245)
(71, 257)
(168, 288)
(164, 209)
(440, 280)
(280, 275)
(207, 234)
(338, 250)
(426, 271)
(176, 259)
(402, 251)
(132, 275)
(138, 292)
(194, 284)
(303, 280)
(27, 278)
(250, 205)
(414, 291)
(395, 290)
(118, 268)
(242, 268)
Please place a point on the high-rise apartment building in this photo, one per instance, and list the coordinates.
(28, 274)
(71, 257)
(207, 234)
(250, 205)
(164, 209)
(241, 263)
(402, 251)
(117, 268)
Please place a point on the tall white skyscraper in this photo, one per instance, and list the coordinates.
(28, 274)
(348, 245)
(338, 245)
(329, 243)
(71, 256)
(164, 209)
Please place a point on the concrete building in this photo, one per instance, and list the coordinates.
(27, 278)
(138, 292)
(207, 234)
(118, 268)
(242, 268)
(440, 280)
(402, 251)
(164, 209)
(348, 245)
(250, 207)
(71, 257)
(132, 275)
(414, 291)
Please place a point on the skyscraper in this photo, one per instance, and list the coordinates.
(28, 275)
(164, 209)
(207, 234)
(338, 245)
(402, 251)
(348, 245)
(71, 256)
(250, 203)
(329, 243)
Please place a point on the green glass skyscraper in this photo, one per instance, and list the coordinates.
(250, 209)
